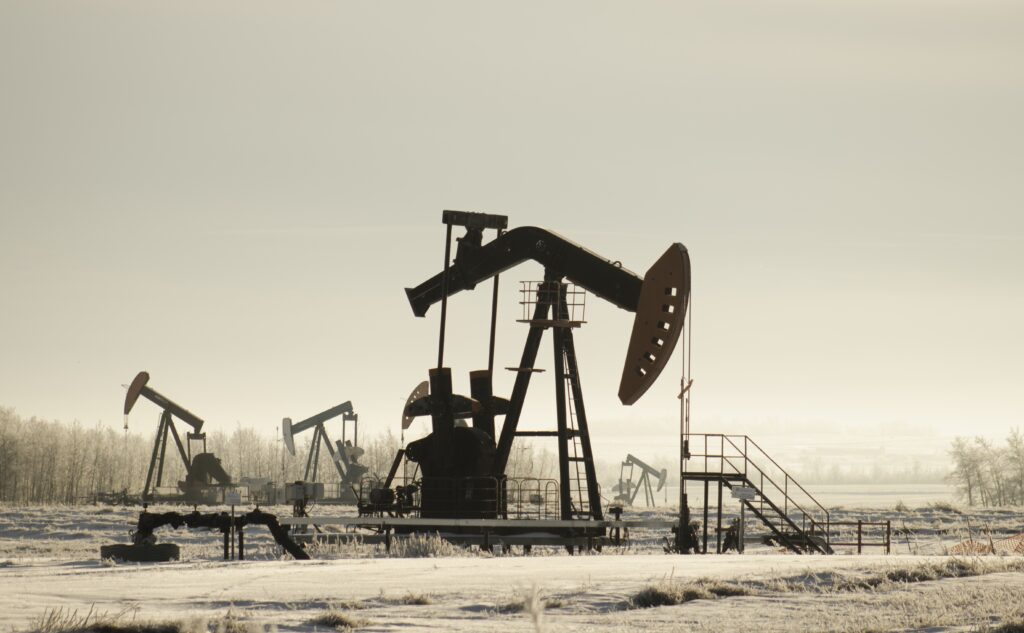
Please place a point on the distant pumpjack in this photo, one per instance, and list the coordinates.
(628, 490)
(344, 454)
(202, 469)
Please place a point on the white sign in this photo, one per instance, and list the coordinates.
(233, 498)
(744, 492)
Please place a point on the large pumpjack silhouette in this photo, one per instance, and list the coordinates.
(463, 467)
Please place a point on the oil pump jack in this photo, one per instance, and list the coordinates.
(201, 469)
(628, 490)
(344, 455)
(467, 464)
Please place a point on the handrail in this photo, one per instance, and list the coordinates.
(802, 489)
(783, 470)
(749, 461)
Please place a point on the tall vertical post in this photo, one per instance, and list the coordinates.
(444, 293)
(741, 542)
(704, 549)
(718, 529)
(494, 323)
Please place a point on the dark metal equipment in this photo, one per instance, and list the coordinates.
(628, 489)
(344, 454)
(463, 467)
(203, 470)
(144, 547)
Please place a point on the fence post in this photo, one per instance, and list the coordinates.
(888, 536)
(859, 536)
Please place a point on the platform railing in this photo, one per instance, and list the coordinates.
(480, 497)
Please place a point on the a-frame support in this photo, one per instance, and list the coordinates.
(313, 459)
(156, 461)
(551, 301)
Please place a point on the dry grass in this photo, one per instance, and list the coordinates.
(424, 546)
(942, 506)
(418, 599)
(337, 620)
(1010, 627)
(669, 592)
(66, 621)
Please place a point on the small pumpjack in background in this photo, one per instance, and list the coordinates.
(205, 478)
(344, 453)
(628, 489)
(463, 467)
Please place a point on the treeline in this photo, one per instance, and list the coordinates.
(45, 461)
(816, 472)
(987, 474)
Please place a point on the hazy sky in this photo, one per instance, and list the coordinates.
(233, 195)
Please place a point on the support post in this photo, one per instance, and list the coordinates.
(163, 449)
(718, 530)
(583, 430)
(743, 527)
(494, 323)
(704, 549)
(565, 490)
(319, 437)
(309, 456)
(146, 491)
(860, 539)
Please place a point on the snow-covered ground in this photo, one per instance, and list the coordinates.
(49, 560)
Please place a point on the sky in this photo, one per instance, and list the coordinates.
(233, 196)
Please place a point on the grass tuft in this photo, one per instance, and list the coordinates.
(424, 546)
(943, 506)
(668, 594)
(338, 620)
(415, 599)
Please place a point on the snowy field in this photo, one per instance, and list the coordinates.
(49, 561)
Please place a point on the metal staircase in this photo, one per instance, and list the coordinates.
(792, 515)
